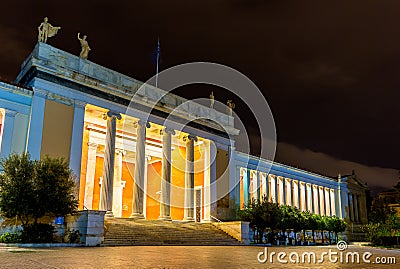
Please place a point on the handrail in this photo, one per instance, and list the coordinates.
(215, 218)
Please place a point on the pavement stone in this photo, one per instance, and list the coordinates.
(172, 257)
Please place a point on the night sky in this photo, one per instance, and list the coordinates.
(330, 70)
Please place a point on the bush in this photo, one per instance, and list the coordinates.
(72, 236)
(10, 238)
(38, 233)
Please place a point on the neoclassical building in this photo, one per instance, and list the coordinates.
(134, 164)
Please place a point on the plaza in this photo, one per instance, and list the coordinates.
(174, 257)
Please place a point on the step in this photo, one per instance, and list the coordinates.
(123, 232)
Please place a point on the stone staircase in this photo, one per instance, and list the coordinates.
(128, 232)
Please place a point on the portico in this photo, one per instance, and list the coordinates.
(141, 158)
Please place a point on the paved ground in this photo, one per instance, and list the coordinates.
(179, 257)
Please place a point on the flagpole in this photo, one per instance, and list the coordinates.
(158, 58)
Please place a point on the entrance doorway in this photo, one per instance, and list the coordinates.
(198, 203)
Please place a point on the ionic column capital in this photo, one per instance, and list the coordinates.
(142, 123)
(189, 137)
(120, 152)
(112, 114)
(167, 130)
(92, 145)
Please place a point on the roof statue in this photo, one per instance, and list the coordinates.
(46, 30)
(212, 99)
(231, 106)
(85, 47)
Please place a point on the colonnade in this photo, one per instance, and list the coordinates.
(306, 196)
(112, 185)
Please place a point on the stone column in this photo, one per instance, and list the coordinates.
(272, 189)
(189, 179)
(139, 174)
(266, 188)
(356, 213)
(327, 202)
(257, 191)
(281, 190)
(295, 192)
(309, 198)
(288, 190)
(36, 123)
(118, 184)
(166, 173)
(8, 129)
(207, 182)
(321, 201)
(108, 169)
(75, 156)
(90, 173)
(333, 202)
(303, 196)
(316, 199)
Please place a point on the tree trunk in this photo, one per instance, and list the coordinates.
(322, 236)
(313, 236)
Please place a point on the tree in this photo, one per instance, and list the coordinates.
(291, 218)
(261, 215)
(381, 212)
(55, 187)
(383, 222)
(16, 187)
(337, 225)
(32, 189)
(312, 223)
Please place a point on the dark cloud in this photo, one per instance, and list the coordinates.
(329, 69)
(377, 178)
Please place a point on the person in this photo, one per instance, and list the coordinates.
(85, 47)
(291, 237)
(46, 30)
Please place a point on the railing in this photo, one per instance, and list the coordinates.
(225, 228)
(214, 218)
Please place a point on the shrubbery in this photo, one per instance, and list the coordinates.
(10, 238)
(264, 215)
(31, 189)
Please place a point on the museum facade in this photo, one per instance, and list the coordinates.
(135, 164)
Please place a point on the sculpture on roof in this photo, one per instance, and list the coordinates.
(85, 47)
(231, 106)
(46, 30)
(212, 99)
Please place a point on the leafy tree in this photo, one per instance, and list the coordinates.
(380, 212)
(383, 222)
(17, 184)
(312, 223)
(32, 189)
(291, 218)
(337, 225)
(261, 215)
(54, 188)
(321, 226)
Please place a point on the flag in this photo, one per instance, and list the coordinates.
(156, 53)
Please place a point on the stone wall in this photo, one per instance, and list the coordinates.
(236, 229)
(90, 224)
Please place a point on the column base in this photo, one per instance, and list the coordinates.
(137, 216)
(166, 218)
(109, 214)
(188, 219)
